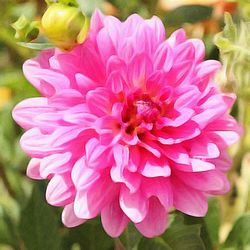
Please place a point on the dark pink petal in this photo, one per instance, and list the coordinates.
(155, 223)
(208, 181)
(160, 188)
(172, 135)
(177, 153)
(226, 129)
(188, 200)
(114, 221)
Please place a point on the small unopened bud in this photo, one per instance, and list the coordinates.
(65, 26)
(26, 31)
(234, 45)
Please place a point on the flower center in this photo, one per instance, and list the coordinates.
(140, 111)
(148, 111)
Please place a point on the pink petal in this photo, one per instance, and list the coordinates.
(26, 111)
(135, 205)
(177, 37)
(114, 221)
(33, 169)
(155, 223)
(163, 58)
(161, 188)
(97, 155)
(89, 202)
(82, 176)
(154, 167)
(188, 200)
(96, 21)
(69, 218)
(116, 83)
(46, 81)
(139, 69)
(98, 101)
(204, 148)
(157, 30)
(201, 165)
(55, 164)
(199, 49)
(60, 191)
(105, 44)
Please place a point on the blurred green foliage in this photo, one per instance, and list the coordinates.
(26, 221)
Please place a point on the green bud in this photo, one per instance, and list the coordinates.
(234, 45)
(65, 2)
(26, 31)
(64, 25)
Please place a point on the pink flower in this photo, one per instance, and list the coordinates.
(129, 125)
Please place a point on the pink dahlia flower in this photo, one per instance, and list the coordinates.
(129, 125)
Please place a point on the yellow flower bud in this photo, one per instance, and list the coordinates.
(65, 26)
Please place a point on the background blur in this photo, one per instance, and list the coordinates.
(27, 222)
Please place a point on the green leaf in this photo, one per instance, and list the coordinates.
(38, 225)
(230, 30)
(131, 237)
(36, 46)
(155, 244)
(212, 220)
(181, 236)
(188, 14)
(89, 236)
(184, 233)
(239, 237)
(8, 234)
